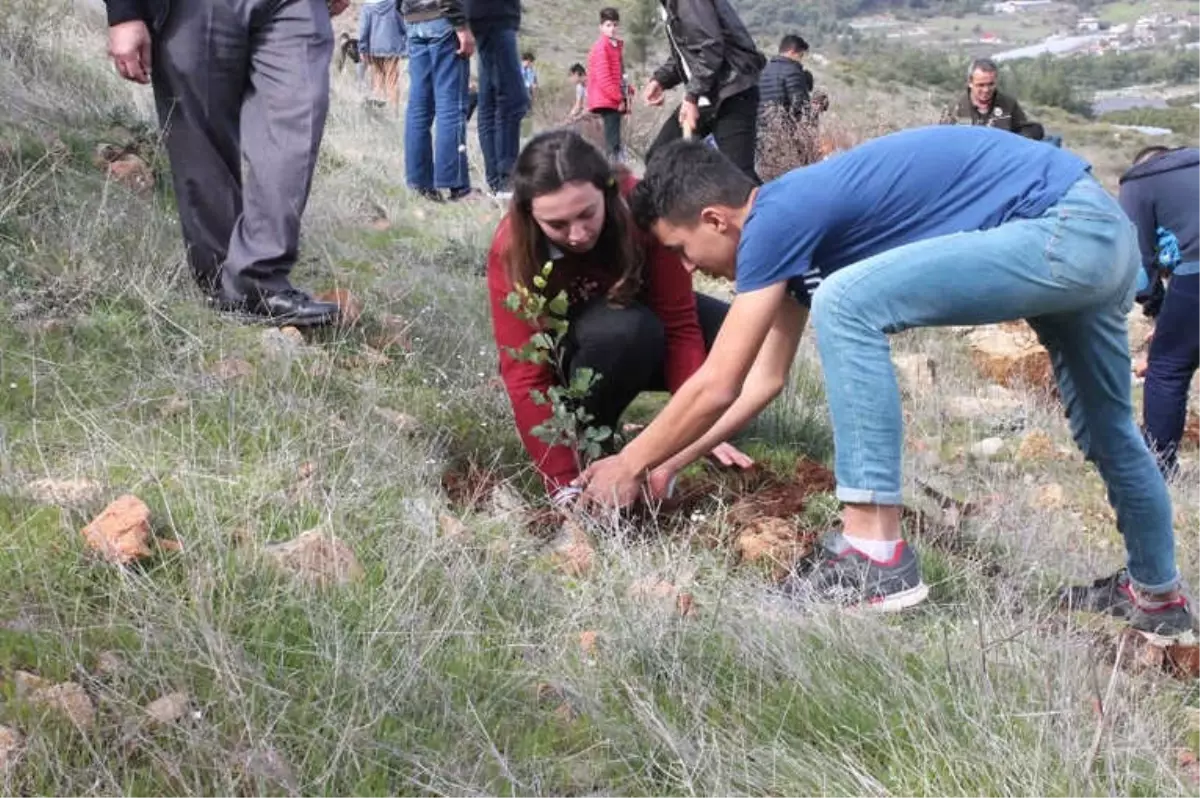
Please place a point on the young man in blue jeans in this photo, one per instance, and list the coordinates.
(503, 101)
(439, 52)
(925, 227)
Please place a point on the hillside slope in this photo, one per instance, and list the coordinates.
(463, 654)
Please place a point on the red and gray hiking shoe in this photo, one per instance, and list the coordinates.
(1114, 595)
(844, 576)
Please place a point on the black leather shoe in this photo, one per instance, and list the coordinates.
(290, 308)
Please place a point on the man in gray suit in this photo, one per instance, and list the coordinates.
(242, 90)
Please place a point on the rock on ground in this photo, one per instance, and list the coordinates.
(64, 492)
(11, 743)
(121, 532)
(316, 558)
(168, 708)
(69, 699)
(1011, 355)
(917, 373)
(988, 447)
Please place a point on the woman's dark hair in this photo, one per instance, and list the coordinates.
(550, 161)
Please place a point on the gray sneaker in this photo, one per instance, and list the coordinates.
(845, 576)
(1114, 595)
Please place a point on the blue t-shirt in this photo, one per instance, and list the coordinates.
(891, 191)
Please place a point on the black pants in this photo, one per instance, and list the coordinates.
(734, 124)
(1174, 357)
(627, 348)
(612, 130)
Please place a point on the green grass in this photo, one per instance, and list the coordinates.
(454, 665)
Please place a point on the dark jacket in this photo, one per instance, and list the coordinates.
(494, 14)
(152, 12)
(1164, 191)
(787, 84)
(711, 50)
(1004, 113)
(427, 10)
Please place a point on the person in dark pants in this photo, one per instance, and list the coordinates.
(606, 88)
(1161, 194)
(237, 81)
(634, 318)
(503, 101)
(716, 60)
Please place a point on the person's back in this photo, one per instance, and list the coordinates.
(913, 185)
(784, 83)
(1164, 191)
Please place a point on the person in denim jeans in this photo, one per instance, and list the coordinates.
(439, 51)
(503, 101)
(925, 227)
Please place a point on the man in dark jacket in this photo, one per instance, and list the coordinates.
(785, 84)
(503, 101)
(716, 60)
(983, 104)
(1161, 194)
(234, 81)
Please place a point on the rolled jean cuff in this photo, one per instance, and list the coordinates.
(861, 496)
(1161, 587)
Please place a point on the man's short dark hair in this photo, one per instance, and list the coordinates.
(1147, 153)
(610, 14)
(527, 56)
(982, 65)
(576, 69)
(682, 179)
(793, 43)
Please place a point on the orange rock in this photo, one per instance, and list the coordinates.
(1036, 445)
(453, 528)
(133, 173)
(1010, 356)
(587, 641)
(1184, 660)
(68, 699)
(774, 540)
(350, 307)
(121, 532)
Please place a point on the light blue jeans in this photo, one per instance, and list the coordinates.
(1070, 273)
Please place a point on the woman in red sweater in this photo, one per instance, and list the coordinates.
(634, 319)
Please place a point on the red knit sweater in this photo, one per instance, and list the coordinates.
(606, 70)
(666, 290)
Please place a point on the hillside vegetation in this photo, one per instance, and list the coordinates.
(432, 644)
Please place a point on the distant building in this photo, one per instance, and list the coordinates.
(1017, 6)
(1087, 24)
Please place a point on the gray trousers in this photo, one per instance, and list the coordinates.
(242, 91)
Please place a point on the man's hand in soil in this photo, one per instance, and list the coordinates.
(129, 49)
(610, 483)
(730, 456)
(760, 335)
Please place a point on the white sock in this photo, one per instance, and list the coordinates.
(878, 550)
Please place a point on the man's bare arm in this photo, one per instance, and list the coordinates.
(764, 382)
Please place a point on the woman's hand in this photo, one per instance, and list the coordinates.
(729, 455)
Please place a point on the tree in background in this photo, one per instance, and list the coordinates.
(641, 20)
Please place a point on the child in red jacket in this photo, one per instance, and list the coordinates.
(634, 319)
(606, 81)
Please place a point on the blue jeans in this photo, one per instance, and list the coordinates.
(503, 103)
(437, 90)
(1070, 273)
(1173, 360)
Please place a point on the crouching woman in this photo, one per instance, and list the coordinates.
(632, 316)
